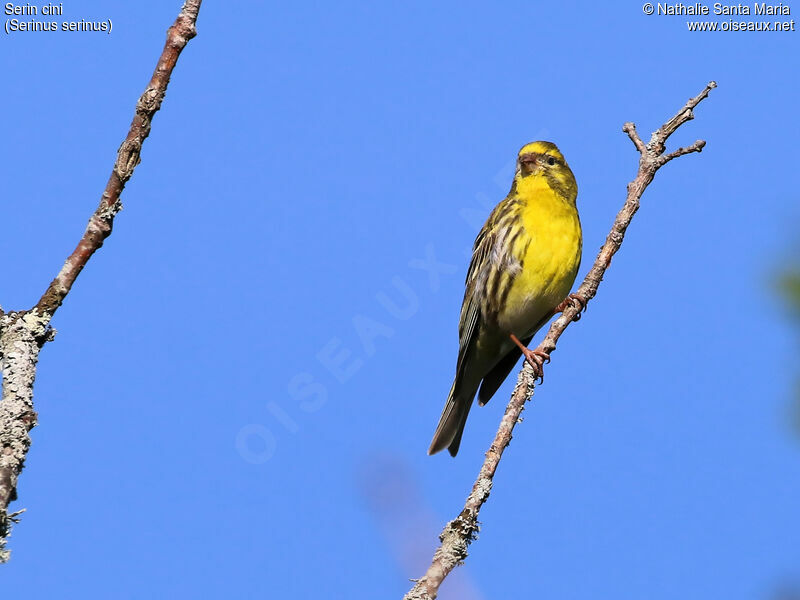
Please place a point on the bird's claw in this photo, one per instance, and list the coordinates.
(535, 358)
(575, 300)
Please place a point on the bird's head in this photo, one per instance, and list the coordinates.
(543, 159)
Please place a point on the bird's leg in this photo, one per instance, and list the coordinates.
(535, 358)
(575, 300)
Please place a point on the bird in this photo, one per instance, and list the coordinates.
(524, 263)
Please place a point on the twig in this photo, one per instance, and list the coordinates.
(462, 530)
(23, 333)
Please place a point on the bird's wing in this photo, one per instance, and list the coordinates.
(469, 323)
(454, 416)
(491, 257)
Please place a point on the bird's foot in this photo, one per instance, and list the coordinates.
(535, 358)
(575, 300)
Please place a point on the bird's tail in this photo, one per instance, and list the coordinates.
(451, 423)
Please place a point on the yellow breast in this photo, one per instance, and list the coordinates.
(549, 252)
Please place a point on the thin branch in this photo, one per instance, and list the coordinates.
(461, 531)
(128, 157)
(696, 147)
(660, 136)
(630, 129)
(23, 333)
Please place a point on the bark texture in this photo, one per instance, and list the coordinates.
(20, 342)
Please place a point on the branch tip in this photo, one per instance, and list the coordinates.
(630, 129)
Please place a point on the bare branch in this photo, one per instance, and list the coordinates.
(630, 129)
(461, 531)
(683, 115)
(23, 333)
(128, 156)
(696, 147)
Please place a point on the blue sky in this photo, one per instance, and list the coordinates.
(214, 420)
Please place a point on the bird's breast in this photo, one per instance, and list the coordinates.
(549, 254)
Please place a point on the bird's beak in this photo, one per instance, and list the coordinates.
(528, 162)
(529, 158)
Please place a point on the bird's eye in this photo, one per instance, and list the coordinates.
(551, 161)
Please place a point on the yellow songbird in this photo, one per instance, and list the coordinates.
(524, 263)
